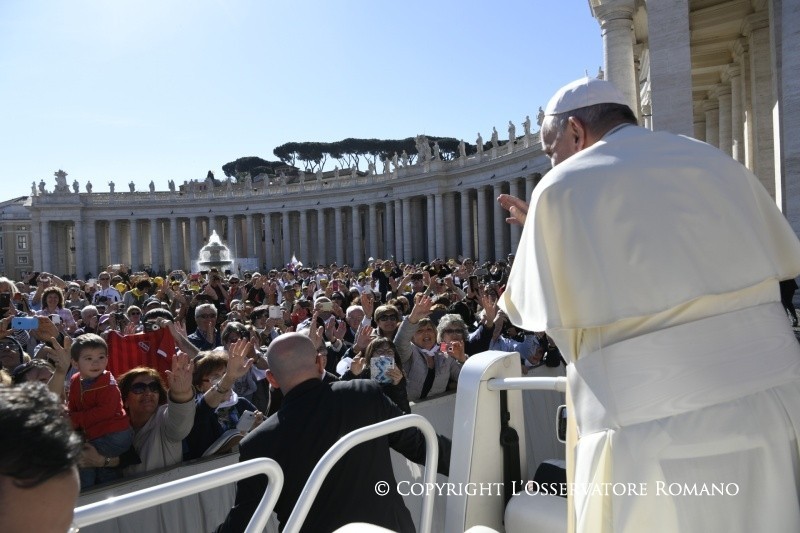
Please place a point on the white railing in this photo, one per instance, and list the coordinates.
(557, 384)
(142, 499)
(360, 436)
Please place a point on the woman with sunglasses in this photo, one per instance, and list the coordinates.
(161, 417)
(134, 315)
(219, 408)
(391, 377)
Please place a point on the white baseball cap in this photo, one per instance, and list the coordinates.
(581, 93)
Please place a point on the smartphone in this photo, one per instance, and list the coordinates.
(379, 366)
(24, 322)
(5, 303)
(55, 319)
(275, 311)
(443, 347)
(473, 284)
(246, 421)
(326, 306)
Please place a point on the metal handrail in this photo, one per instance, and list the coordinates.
(558, 384)
(142, 499)
(353, 439)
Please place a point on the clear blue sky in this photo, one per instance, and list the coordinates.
(167, 89)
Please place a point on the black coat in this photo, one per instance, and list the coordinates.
(313, 417)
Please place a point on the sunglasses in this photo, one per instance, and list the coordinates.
(134, 313)
(140, 388)
(386, 318)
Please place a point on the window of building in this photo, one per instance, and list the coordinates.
(22, 259)
(22, 228)
(1, 243)
(22, 242)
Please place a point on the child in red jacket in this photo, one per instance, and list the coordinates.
(95, 406)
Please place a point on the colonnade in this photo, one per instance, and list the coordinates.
(449, 219)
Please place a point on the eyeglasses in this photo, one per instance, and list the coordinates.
(206, 315)
(134, 313)
(453, 331)
(140, 388)
(386, 318)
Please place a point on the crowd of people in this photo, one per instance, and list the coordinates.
(156, 370)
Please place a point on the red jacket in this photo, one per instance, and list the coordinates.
(97, 410)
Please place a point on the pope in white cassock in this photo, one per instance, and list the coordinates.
(653, 261)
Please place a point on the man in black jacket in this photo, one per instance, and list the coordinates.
(313, 416)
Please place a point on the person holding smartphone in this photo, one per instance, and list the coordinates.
(392, 379)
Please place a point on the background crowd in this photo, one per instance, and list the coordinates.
(156, 370)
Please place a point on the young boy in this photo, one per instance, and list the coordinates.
(95, 406)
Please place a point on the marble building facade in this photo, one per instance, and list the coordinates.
(431, 209)
(723, 71)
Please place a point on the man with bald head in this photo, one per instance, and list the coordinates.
(313, 416)
(653, 261)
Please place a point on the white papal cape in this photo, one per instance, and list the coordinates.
(653, 262)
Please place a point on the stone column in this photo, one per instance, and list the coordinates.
(136, 249)
(482, 254)
(389, 225)
(408, 250)
(305, 250)
(733, 75)
(91, 245)
(269, 244)
(155, 258)
(338, 227)
(670, 65)
(499, 226)
(113, 238)
(372, 221)
(80, 249)
(230, 236)
(287, 239)
(700, 127)
(46, 247)
(515, 229)
(786, 39)
(212, 224)
(249, 232)
(530, 183)
(723, 94)
(743, 57)
(439, 227)
(711, 109)
(756, 29)
(358, 258)
(162, 255)
(466, 225)
(192, 248)
(616, 27)
(432, 231)
(451, 216)
(322, 257)
(398, 230)
(174, 261)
